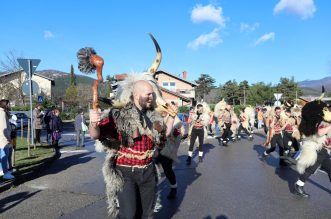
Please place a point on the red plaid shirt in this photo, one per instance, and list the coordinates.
(142, 145)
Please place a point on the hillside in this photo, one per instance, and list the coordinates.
(317, 84)
(62, 81)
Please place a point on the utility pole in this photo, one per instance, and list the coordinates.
(244, 96)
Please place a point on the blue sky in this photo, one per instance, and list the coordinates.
(250, 40)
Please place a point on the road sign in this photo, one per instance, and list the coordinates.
(278, 95)
(40, 99)
(26, 87)
(24, 63)
(277, 103)
(30, 66)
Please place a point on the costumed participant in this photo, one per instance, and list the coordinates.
(226, 119)
(316, 128)
(276, 128)
(167, 156)
(218, 110)
(288, 139)
(267, 115)
(129, 133)
(234, 125)
(244, 124)
(211, 123)
(199, 122)
(250, 113)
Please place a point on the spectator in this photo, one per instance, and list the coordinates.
(56, 129)
(47, 119)
(259, 118)
(37, 123)
(5, 138)
(81, 128)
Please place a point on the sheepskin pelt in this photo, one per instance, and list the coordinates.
(250, 113)
(311, 145)
(314, 114)
(172, 144)
(113, 180)
(219, 108)
(128, 122)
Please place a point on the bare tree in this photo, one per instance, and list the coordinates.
(11, 65)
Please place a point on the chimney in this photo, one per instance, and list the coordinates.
(184, 74)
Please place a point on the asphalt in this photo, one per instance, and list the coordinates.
(230, 183)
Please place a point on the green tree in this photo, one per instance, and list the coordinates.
(108, 85)
(243, 92)
(230, 92)
(72, 76)
(260, 94)
(71, 94)
(205, 84)
(289, 88)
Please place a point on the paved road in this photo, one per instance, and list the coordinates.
(231, 183)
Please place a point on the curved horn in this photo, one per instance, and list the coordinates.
(323, 93)
(155, 65)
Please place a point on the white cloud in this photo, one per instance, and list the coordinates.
(209, 13)
(248, 27)
(210, 39)
(265, 37)
(48, 34)
(303, 8)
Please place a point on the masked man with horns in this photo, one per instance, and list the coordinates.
(129, 133)
(316, 128)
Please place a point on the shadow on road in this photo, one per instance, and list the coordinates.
(271, 160)
(14, 200)
(217, 217)
(287, 174)
(319, 186)
(185, 177)
(67, 162)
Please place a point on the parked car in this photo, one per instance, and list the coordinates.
(19, 116)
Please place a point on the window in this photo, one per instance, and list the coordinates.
(169, 85)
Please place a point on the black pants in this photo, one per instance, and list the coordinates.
(287, 137)
(242, 128)
(323, 158)
(37, 134)
(196, 133)
(277, 139)
(167, 168)
(139, 190)
(226, 131)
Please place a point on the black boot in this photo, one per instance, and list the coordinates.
(172, 194)
(300, 191)
(263, 157)
(188, 160)
(200, 159)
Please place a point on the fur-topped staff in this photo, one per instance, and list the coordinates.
(84, 63)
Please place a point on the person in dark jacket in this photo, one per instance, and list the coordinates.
(56, 129)
(47, 119)
(37, 123)
(80, 127)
